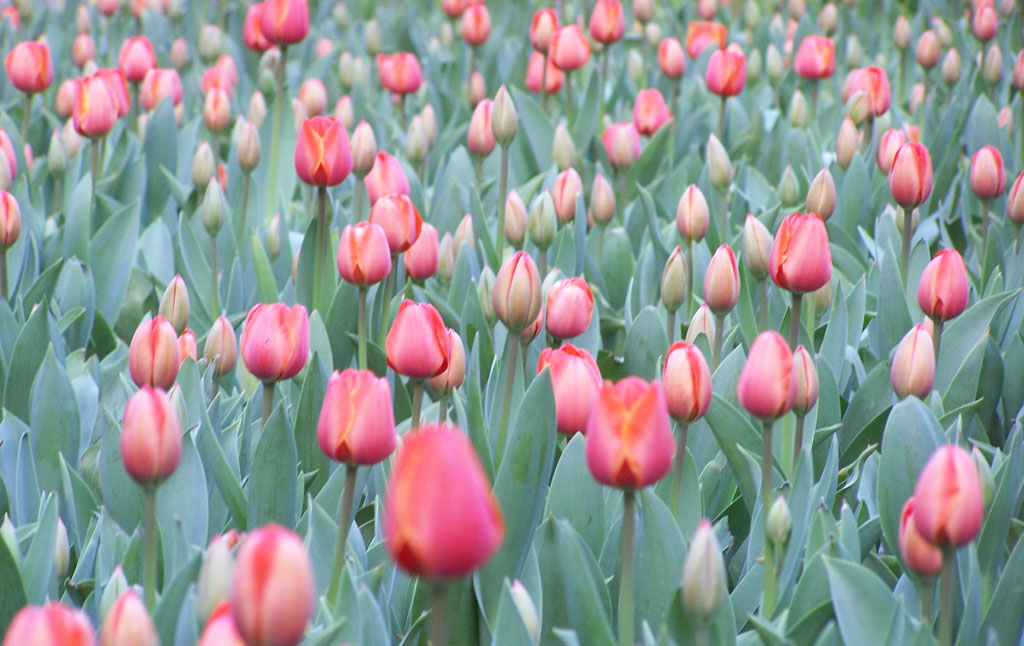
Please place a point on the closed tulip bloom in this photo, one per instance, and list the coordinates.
(847, 142)
(988, 178)
(187, 346)
(622, 144)
(821, 196)
(221, 348)
(570, 305)
(542, 29)
(285, 22)
(114, 78)
(453, 8)
(985, 23)
(174, 304)
(422, 258)
(313, 96)
(888, 145)
(703, 34)
(272, 591)
(517, 292)
(928, 50)
(455, 373)
(815, 58)
(687, 382)
(49, 625)
(441, 519)
(650, 111)
(400, 219)
(1018, 72)
(252, 29)
(83, 50)
(275, 341)
(569, 48)
(476, 24)
(364, 150)
(220, 628)
(806, 381)
(1015, 201)
(719, 164)
(629, 439)
(216, 110)
(602, 200)
(95, 107)
(606, 21)
(913, 364)
(704, 580)
(535, 74)
(400, 73)
(692, 214)
(801, 261)
(727, 72)
(150, 436)
(356, 424)
(322, 153)
(385, 178)
(417, 344)
(923, 558)
(10, 220)
(160, 83)
(480, 137)
(516, 219)
(757, 247)
(568, 186)
(767, 384)
(575, 380)
(28, 66)
(948, 503)
(128, 624)
(154, 356)
(722, 281)
(136, 58)
(910, 178)
(671, 58)
(64, 102)
(943, 290)
(364, 257)
(874, 83)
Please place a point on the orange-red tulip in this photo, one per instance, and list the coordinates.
(285, 22)
(570, 305)
(517, 295)
(400, 73)
(137, 57)
(767, 384)
(455, 373)
(815, 58)
(568, 186)
(480, 139)
(114, 78)
(943, 290)
(10, 220)
(150, 436)
(83, 50)
(569, 48)
(722, 281)
(275, 341)
(687, 382)
(910, 178)
(702, 34)
(985, 23)
(1015, 201)
(692, 214)
(158, 84)
(28, 66)
(919, 555)
(607, 23)
(220, 628)
(386, 177)
(874, 83)
(49, 625)
(322, 153)
(806, 381)
(913, 364)
(216, 110)
(948, 504)
(622, 144)
(422, 258)
(356, 424)
(988, 177)
(535, 74)
(575, 380)
(417, 344)
(888, 145)
(453, 8)
(252, 29)
(128, 623)
(154, 355)
(364, 257)
(400, 219)
(476, 24)
(801, 261)
(542, 29)
(727, 71)
(671, 58)
(650, 111)
(95, 108)
(187, 346)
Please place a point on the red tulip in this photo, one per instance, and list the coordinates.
(888, 145)
(948, 503)
(569, 48)
(356, 425)
(364, 257)
(722, 281)
(128, 623)
(535, 74)
(542, 29)
(629, 439)
(417, 344)
(272, 593)
(114, 78)
(400, 219)
(568, 186)
(943, 290)
(28, 66)
(285, 22)
(10, 220)
(476, 24)
(687, 382)
(153, 356)
(622, 144)
(606, 22)
(421, 259)
(158, 84)
(988, 178)
(517, 295)
(453, 8)
(1015, 201)
(801, 261)
(806, 375)
(7, 152)
(985, 23)
(874, 83)
(767, 384)
(441, 519)
(275, 341)
(216, 110)
(322, 153)
(570, 305)
(95, 109)
(701, 35)
(187, 346)
(671, 59)
(83, 50)
(220, 628)
(480, 139)
(137, 57)
(923, 558)
(815, 58)
(252, 29)
(575, 380)
(913, 364)
(385, 178)
(49, 625)
(455, 373)
(400, 73)
(910, 178)
(727, 72)
(150, 436)
(650, 111)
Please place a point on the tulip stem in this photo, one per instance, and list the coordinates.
(438, 625)
(689, 275)
(268, 401)
(506, 399)
(568, 96)
(478, 168)
(721, 124)
(344, 523)
(626, 580)
(321, 248)
(937, 337)
(984, 237)
(794, 320)
(95, 171)
(389, 287)
(716, 351)
(544, 85)
(3, 273)
(502, 195)
(677, 476)
(214, 297)
(701, 632)
(442, 410)
(768, 601)
(603, 79)
(926, 592)
(798, 441)
(242, 213)
(946, 584)
(762, 304)
(275, 132)
(670, 327)
(620, 202)
(1016, 241)
(25, 119)
(149, 528)
(725, 217)
(417, 402)
(357, 208)
(907, 233)
(362, 328)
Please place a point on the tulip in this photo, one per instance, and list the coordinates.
(83, 50)
(542, 29)
(441, 519)
(988, 179)
(464, 233)
(49, 625)
(95, 107)
(767, 385)
(606, 21)
(671, 59)
(650, 111)
(806, 382)
(187, 346)
(568, 186)
(602, 200)
(800, 260)
(726, 72)
(455, 373)
(220, 629)
(847, 142)
(284, 22)
(570, 305)
(516, 219)
(874, 83)
(480, 139)
(815, 58)
(385, 178)
(928, 50)
(364, 257)
(913, 364)
(719, 168)
(910, 178)
(943, 290)
(704, 580)
(453, 8)
(722, 282)
(701, 35)
(153, 356)
(1015, 202)
(322, 153)
(364, 152)
(28, 66)
(275, 341)
(985, 23)
(948, 502)
(692, 214)
(421, 259)
(920, 556)
(575, 380)
(687, 383)
(221, 348)
(128, 624)
(158, 84)
(543, 221)
(10, 225)
(272, 593)
(821, 196)
(356, 424)
(136, 58)
(703, 322)
(569, 48)
(399, 218)
(150, 436)
(400, 73)
(476, 24)
(417, 344)
(629, 440)
(174, 304)
(622, 144)
(674, 286)
(517, 293)
(1017, 80)
(551, 78)
(888, 145)
(216, 110)
(252, 29)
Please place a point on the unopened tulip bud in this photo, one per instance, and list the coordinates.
(674, 280)
(213, 208)
(636, 66)
(988, 483)
(57, 154)
(754, 66)
(948, 502)
(210, 37)
(779, 522)
(257, 111)
(364, 149)
(504, 119)
(806, 381)
(179, 54)
(517, 293)
(248, 146)
(455, 373)
(847, 142)
(858, 107)
(913, 364)
(854, 51)
(174, 304)
(652, 32)
(464, 233)
(83, 25)
(150, 436)
(757, 247)
(62, 550)
(602, 200)
(773, 64)
(372, 37)
(113, 590)
(823, 298)
(485, 292)
(928, 50)
(313, 96)
(221, 347)
(703, 322)
(273, 236)
(1018, 72)
(563, 151)
(516, 219)
(128, 623)
(204, 165)
(719, 166)
(346, 70)
(828, 18)
(417, 144)
(446, 257)
(429, 118)
(992, 65)
(798, 110)
(951, 67)
(722, 281)
(923, 558)
(1015, 201)
(901, 32)
(704, 581)
(476, 91)
(987, 174)
(214, 585)
(543, 221)
(942, 30)
(153, 356)
(10, 538)
(821, 197)
(789, 187)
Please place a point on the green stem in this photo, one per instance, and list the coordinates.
(762, 304)
(701, 631)
(926, 592)
(937, 337)
(670, 327)
(389, 288)
(478, 168)
(268, 401)
(798, 440)
(689, 276)
(321, 248)
(544, 84)
(357, 208)
(721, 121)
(568, 97)
(438, 625)
(242, 213)
(26, 118)
(506, 398)
(215, 298)
(620, 200)
(794, 320)
(946, 584)
(984, 235)
(275, 133)
(442, 411)
(502, 195)
(417, 402)
(604, 77)
(905, 257)
(542, 263)
(626, 580)
(95, 170)
(768, 601)
(362, 328)
(344, 523)
(677, 475)
(716, 352)
(3, 273)
(149, 520)
(725, 217)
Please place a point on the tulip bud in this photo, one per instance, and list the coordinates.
(5, 177)
(1018, 72)
(798, 110)
(821, 197)
(951, 66)
(923, 558)
(10, 538)
(504, 119)
(779, 522)
(563, 151)
(210, 37)
(477, 90)
(10, 219)
(417, 344)
(913, 364)
(767, 384)
(901, 32)
(722, 281)
(543, 221)
(153, 356)
(692, 214)
(948, 502)
(704, 581)
(429, 122)
(150, 436)
(273, 236)
(179, 54)
(417, 144)
(221, 347)
(213, 208)
(1015, 201)
(364, 149)
(703, 322)
(570, 305)
(517, 293)
(992, 65)
(485, 292)
(687, 382)
(248, 146)
(858, 107)
(115, 587)
(53, 624)
(356, 425)
(214, 585)
(602, 200)
(62, 550)
(622, 144)
(257, 111)
(846, 143)
(464, 233)
(674, 280)
(757, 247)
(516, 219)
(629, 439)
(854, 51)
(754, 66)
(943, 290)
(789, 187)
(275, 341)
(174, 304)
(988, 484)
(128, 624)
(446, 258)
(203, 166)
(928, 50)
(421, 259)
(987, 175)
(719, 166)
(773, 63)
(568, 186)
(806, 381)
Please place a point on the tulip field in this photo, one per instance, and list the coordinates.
(511, 323)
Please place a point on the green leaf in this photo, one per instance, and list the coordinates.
(862, 423)
(168, 608)
(576, 497)
(182, 504)
(29, 350)
(962, 334)
(311, 457)
(272, 483)
(78, 221)
(509, 629)
(683, 629)
(55, 421)
(646, 343)
(12, 592)
(226, 479)
(121, 495)
(735, 434)
(1007, 601)
(265, 284)
(38, 565)
(863, 605)
(161, 149)
(115, 244)
(660, 555)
